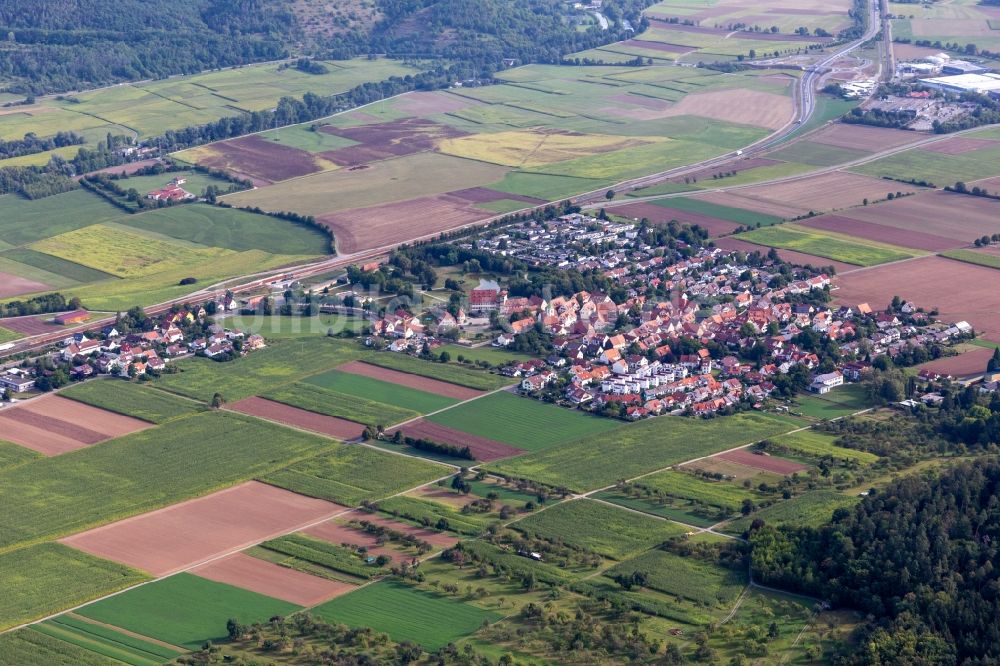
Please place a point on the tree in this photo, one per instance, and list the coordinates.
(994, 363)
(218, 401)
(609, 195)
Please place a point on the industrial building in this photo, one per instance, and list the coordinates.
(988, 84)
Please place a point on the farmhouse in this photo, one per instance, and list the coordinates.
(172, 192)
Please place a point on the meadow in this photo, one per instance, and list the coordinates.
(184, 610)
(108, 642)
(426, 618)
(936, 168)
(522, 422)
(376, 390)
(42, 579)
(598, 527)
(146, 470)
(686, 577)
(446, 372)
(831, 246)
(817, 444)
(638, 448)
(342, 405)
(350, 474)
(684, 486)
(131, 399)
(809, 510)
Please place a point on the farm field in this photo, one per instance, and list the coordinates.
(586, 464)
(33, 648)
(977, 257)
(972, 361)
(130, 399)
(302, 419)
(105, 641)
(349, 474)
(957, 217)
(521, 422)
(281, 582)
(369, 388)
(43, 579)
(277, 326)
(736, 215)
(686, 577)
(717, 495)
(935, 167)
(360, 371)
(809, 510)
(599, 527)
(341, 405)
(483, 449)
(818, 444)
(766, 463)
(822, 192)
(13, 455)
(184, 610)
(141, 472)
(450, 373)
(426, 618)
(848, 226)
(831, 246)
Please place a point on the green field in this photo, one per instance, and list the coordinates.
(277, 326)
(686, 497)
(686, 577)
(737, 215)
(23, 221)
(108, 642)
(935, 167)
(662, 188)
(811, 510)
(406, 614)
(282, 362)
(43, 579)
(9, 336)
(446, 372)
(841, 401)
(639, 448)
(817, 154)
(130, 399)
(832, 246)
(815, 443)
(28, 647)
(522, 422)
(348, 474)
(429, 512)
(184, 610)
(973, 257)
(143, 471)
(549, 187)
(323, 401)
(598, 527)
(380, 391)
(65, 268)
(304, 553)
(12, 455)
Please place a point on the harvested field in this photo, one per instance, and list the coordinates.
(479, 195)
(657, 46)
(861, 137)
(260, 159)
(912, 51)
(746, 107)
(12, 285)
(880, 233)
(31, 325)
(182, 535)
(736, 471)
(427, 103)
(971, 362)
(734, 199)
(272, 580)
(384, 140)
(410, 380)
(959, 290)
(659, 214)
(53, 425)
(766, 463)
(791, 256)
(484, 450)
(330, 426)
(366, 228)
(959, 145)
(445, 496)
(956, 216)
(827, 191)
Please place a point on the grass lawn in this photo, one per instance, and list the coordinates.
(276, 326)
(28, 647)
(818, 444)
(49, 577)
(810, 510)
(9, 336)
(332, 403)
(185, 610)
(523, 422)
(598, 527)
(973, 257)
(841, 401)
(491, 355)
(349, 474)
(380, 391)
(131, 399)
(638, 448)
(106, 641)
(406, 614)
(832, 246)
(282, 362)
(143, 471)
(687, 577)
(737, 215)
(446, 372)
(12, 455)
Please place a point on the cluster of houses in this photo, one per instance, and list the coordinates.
(172, 192)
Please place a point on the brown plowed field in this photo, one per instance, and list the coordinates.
(427, 384)
(12, 285)
(971, 362)
(432, 537)
(960, 291)
(335, 533)
(32, 325)
(359, 229)
(53, 425)
(384, 140)
(861, 137)
(958, 145)
(483, 449)
(261, 159)
(478, 195)
(766, 463)
(827, 191)
(330, 426)
(129, 168)
(791, 256)
(661, 215)
(957, 216)
(747, 107)
(882, 234)
(183, 535)
(272, 580)
(735, 199)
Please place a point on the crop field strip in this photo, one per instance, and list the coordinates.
(135, 400)
(344, 380)
(317, 399)
(828, 244)
(105, 641)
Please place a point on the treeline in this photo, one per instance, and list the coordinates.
(31, 144)
(39, 305)
(37, 182)
(987, 112)
(429, 446)
(878, 118)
